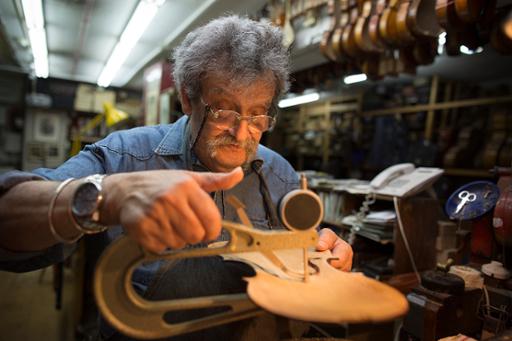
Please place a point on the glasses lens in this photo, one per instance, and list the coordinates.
(225, 118)
(229, 118)
(261, 122)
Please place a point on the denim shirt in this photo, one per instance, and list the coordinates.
(149, 148)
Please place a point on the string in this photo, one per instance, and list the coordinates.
(404, 238)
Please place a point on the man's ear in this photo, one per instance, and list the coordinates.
(186, 105)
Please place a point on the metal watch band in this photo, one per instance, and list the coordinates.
(92, 224)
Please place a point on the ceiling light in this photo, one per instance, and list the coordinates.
(441, 40)
(289, 102)
(33, 11)
(361, 77)
(466, 50)
(142, 16)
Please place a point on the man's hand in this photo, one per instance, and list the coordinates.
(166, 208)
(328, 240)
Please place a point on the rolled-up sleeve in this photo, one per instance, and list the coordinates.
(85, 163)
(119, 152)
(28, 261)
(12, 178)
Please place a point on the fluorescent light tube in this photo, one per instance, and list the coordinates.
(466, 50)
(361, 77)
(34, 19)
(38, 42)
(289, 102)
(142, 16)
(441, 40)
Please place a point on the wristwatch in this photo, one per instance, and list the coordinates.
(86, 204)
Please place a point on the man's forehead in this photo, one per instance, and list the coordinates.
(216, 83)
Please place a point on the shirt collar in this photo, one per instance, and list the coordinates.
(173, 142)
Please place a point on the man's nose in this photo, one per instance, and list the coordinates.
(240, 130)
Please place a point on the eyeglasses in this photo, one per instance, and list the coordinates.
(226, 119)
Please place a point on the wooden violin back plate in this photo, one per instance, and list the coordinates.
(469, 11)
(422, 19)
(329, 295)
(326, 42)
(348, 41)
(404, 34)
(387, 23)
(373, 26)
(362, 36)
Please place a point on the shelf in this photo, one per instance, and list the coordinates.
(364, 234)
(373, 238)
(344, 108)
(339, 225)
(310, 154)
(477, 173)
(439, 106)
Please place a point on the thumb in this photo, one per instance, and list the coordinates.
(211, 182)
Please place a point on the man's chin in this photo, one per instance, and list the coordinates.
(225, 164)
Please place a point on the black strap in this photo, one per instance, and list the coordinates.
(270, 209)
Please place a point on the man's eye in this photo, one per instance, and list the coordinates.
(259, 112)
(224, 113)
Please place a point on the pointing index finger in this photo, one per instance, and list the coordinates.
(211, 182)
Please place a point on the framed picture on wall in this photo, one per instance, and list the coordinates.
(46, 127)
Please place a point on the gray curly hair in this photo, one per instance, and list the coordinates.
(238, 47)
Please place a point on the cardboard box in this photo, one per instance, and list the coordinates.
(84, 99)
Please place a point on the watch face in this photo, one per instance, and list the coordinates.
(85, 200)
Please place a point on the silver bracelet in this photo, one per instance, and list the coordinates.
(55, 235)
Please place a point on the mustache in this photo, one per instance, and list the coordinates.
(248, 145)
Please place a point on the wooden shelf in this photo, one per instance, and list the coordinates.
(477, 173)
(339, 225)
(378, 240)
(358, 233)
(411, 109)
(310, 154)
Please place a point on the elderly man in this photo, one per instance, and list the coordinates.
(166, 186)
